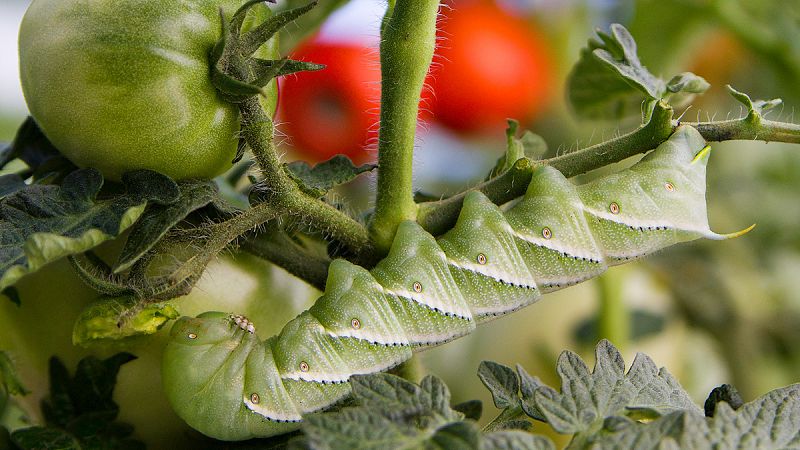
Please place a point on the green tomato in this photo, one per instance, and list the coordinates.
(120, 85)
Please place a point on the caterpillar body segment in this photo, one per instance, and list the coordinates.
(227, 384)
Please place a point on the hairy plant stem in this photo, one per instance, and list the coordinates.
(278, 248)
(510, 413)
(438, 217)
(206, 242)
(283, 195)
(407, 44)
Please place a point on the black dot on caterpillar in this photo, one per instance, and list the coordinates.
(481, 259)
(546, 233)
(614, 208)
(417, 286)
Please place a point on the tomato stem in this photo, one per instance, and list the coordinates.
(280, 249)
(438, 217)
(407, 43)
(285, 196)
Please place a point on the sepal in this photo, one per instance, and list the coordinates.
(235, 72)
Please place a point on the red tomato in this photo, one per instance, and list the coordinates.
(489, 66)
(334, 110)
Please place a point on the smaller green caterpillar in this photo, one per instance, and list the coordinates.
(230, 385)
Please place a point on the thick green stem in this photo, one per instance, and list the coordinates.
(438, 217)
(283, 194)
(281, 250)
(614, 317)
(407, 44)
(749, 128)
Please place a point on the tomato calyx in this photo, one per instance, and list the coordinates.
(236, 73)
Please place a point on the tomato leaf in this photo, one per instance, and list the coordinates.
(770, 422)
(11, 183)
(12, 294)
(9, 380)
(119, 318)
(391, 412)
(501, 381)
(158, 219)
(30, 145)
(754, 107)
(513, 440)
(321, 178)
(587, 398)
(688, 82)
(42, 223)
(80, 411)
(530, 145)
(44, 438)
(609, 81)
(725, 393)
(471, 409)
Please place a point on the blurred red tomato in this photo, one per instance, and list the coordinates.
(489, 66)
(334, 110)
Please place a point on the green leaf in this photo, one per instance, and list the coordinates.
(514, 424)
(319, 179)
(687, 82)
(725, 393)
(9, 380)
(12, 294)
(619, 54)
(391, 412)
(158, 219)
(770, 422)
(120, 318)
(530, 145)
(471, 409)
(501, 381)
(11, 183)
(352, 428)
(41, 438)
(456, 436)
(43, 223)
(755, 108)
(609, 81)
(390, 395)
(587, 398)
(528, 386)
(30, 146)
(515, 440)
(80, 411)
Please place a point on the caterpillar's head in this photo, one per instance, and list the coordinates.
(209, 328)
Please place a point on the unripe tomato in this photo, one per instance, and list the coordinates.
(334, 110)
(489, 66)
(124, 84)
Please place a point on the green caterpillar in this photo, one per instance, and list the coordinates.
(230, 385)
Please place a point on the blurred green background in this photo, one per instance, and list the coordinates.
(712, 312)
